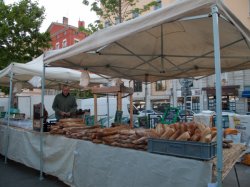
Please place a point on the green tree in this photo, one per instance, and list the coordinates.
(111, 10)
(20, 39)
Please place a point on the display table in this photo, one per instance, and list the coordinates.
(24, 147)
(25, 123)
(83, 163)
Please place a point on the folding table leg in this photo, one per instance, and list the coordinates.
(238, 182)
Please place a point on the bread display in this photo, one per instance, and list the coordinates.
(126, 137)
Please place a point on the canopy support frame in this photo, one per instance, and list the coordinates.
(219, 165)
(8, 123)
(41, 122)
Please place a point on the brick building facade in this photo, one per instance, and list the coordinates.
(63, 35)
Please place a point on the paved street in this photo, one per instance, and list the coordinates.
(14, 174)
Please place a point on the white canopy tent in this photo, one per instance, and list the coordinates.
(172, 42)
(22, 73)
(186, 39)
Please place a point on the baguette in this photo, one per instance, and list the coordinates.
(208, 138)
(201, 126)
(168, 133)
(183, 127)
(176, 134)
(184, 136)
(204, 133)
(196, 137)
(71, 120)
(160, 129)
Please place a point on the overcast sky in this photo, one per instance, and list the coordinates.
(56, 9)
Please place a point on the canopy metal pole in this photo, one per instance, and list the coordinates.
(30, 107)
(108, 109)
(219, 165)
(41, 128)
(8, 123)
(147, 99)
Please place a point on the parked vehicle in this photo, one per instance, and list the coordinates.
(125, 120)
(186, 114)
(146, 112)
(52, 118)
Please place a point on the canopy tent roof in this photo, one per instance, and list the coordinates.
(54, 76)
(170, 43)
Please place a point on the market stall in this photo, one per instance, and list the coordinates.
(182, 40)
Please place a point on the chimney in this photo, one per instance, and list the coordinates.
(65, 20)
(81, 24)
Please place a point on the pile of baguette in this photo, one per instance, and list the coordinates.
(124, 136)
(191, 131)
(64, 124)
(120, 135)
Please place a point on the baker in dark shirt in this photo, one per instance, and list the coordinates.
(64, 104)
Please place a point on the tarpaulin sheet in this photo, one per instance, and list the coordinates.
(98, 165)
(24, 147)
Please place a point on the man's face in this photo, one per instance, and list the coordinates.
(65, 90)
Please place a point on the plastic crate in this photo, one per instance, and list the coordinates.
(186, 149)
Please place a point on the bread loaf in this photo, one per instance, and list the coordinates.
(176, 134)
(184, 136)
(168, 133)
(160, 129)
(71, 120)
(196, 137)
(204, 133)
(201, 126)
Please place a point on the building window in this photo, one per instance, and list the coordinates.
(158, 4)
(137, 86)
(76, 40)
(160, 86)
(57, 45)
(64, 43)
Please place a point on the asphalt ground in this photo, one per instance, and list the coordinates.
(14, 174)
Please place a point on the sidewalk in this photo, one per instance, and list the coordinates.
(14, 174)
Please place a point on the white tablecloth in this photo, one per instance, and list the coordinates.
(82, 163)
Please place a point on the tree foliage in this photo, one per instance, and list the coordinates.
(111, 10)
(20, 40)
